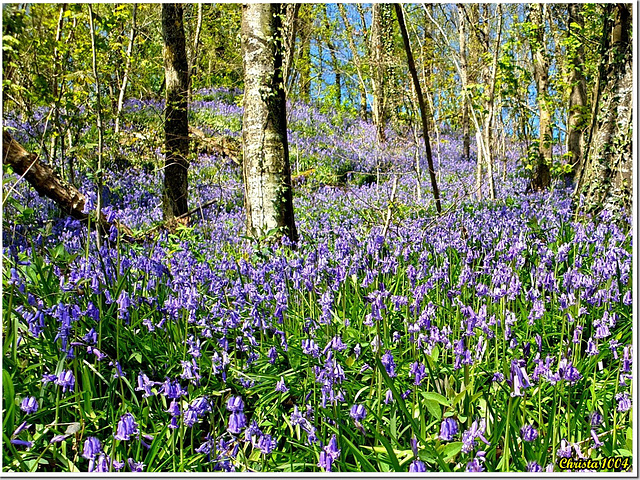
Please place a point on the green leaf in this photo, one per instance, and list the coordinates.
(8, 419)
(436, 397)
(434, 408)
(451, 450)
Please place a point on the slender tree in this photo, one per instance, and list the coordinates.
(578, 113)
(127, 67)
(423, 114)
(176, 126)
(542, 174)
(466, 139)
(266, 172)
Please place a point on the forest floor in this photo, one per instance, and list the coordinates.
(497, 336)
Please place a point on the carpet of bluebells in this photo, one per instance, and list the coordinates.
(496, 337)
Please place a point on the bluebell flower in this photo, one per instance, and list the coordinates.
(266, 444)
(135, 466)
(29, 405)
(21, 443)
(92, 447)
(596, 441)
(66, 380)
(237, 421)
(358, 412)
(448, 429)
(127, 426)
(533, 466)
(281, 387)
(389, 364)
(624, 403)
(235, 404)
(595, 419)
(20, 428)
(417, 466)
(528, 433)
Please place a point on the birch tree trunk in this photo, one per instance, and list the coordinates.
(193, 62)
(127, 67)
(378, 72)
(466, 139)
(542, 175)
(176, 126)
(266, 172)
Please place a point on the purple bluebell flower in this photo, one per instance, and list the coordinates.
(135, 466)
(474, 465)
(595, 419)
(21, 427)
(235, 404)
(237, 421)
(324, 461)
(58, 438)
(92, 447)
(418, 370)
(118, 465)
(519, 378)
(281, 387)
(596, 441)
(267, 444)
(388, 397)
(144, 385)
(626, 359)
(592, 347)
(533, 466)
(309, 347)
(448, 429)
(528, 433)
(389, 364)
(21, 443)
(565, 449)
(29, 405)
(358, 412)
(273, 355)
(476, 431)
(127, 426)
(417, 466)
(66, 380)
(624, 402)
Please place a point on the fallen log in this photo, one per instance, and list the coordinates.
(224, 145)
(47, 183)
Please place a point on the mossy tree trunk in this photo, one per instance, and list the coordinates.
(266, 171)
(176, 127)
(605, 178)
(578, 114)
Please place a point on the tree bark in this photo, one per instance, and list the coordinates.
(127, 67)
(377, 62)
(176, 127)
(606, 175)
(266, 171)
(193, 62)
(542, 175)
(46, 182)
(577, 114)
(466, 138)
(289, 31)
(423, 115)
(356, 59)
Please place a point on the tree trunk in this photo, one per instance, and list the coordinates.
(466, 138)
(356, 59)
(266, 171)
(46, 182)
(304, 57)
(542, 175)
(378, 72)
(289, 41)
(176, 127)
(195, 52)
(606, 175)
(127, 67)
(423, 115)
(577, 114)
